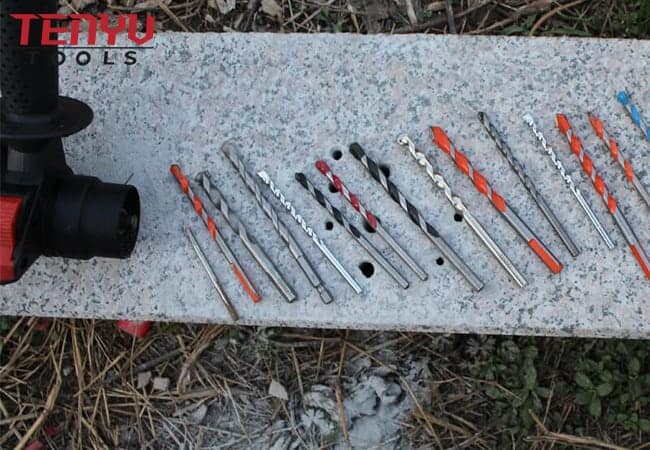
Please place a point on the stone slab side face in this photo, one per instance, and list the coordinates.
(288, 100)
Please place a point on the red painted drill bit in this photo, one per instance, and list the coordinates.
(212, 229)
(587, 163)
(462, 162)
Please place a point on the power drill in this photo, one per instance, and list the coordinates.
(45, 209)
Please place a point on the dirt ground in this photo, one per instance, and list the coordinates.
(85, 384)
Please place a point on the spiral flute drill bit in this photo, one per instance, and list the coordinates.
(599, 184)
(340, 218)
(624, 98)
(618, 156)
(309, 231)
(212, 229)
(518, 168)
(230, 151)
(373, 222)
(251, 244)
(481, 184)
(415, 216)
(213, 278)
(568, 181)
(457, 203)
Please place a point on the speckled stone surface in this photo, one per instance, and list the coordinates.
(291, 99)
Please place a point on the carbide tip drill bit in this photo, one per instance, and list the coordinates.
(309, 231)
(624, 98)
(212, 229)
(213, 278)
(231, 152)
(457, 203)
(518, 168)
(618, 156)
(340, 218)
(599, 184)
(568, 181)
(251, 244)
(373, 221)
(415, 216)
(480, 182)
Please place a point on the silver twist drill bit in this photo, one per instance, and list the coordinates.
(213, 278)
(458, 204)
(354, 231)
(518, 168)
(568, 181)
(416, 217)
(256, 251)
(231, 152)
(373, 221)
(309, 231)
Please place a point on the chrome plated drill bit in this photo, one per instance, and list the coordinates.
(518, 168)
(457, 203)
(480, 182)
(568, 181)
(625, 99)
(213, 278)
(233, 155)
(251, 244)
(309, 231)
(214, 234)
(587, 163)
(415, 216)
(373, 221)
(618, 156)
(340, 218)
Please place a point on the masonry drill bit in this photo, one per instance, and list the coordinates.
(518, 168)
(340, 218)
(208, 269)
(415, 216)
(251, 244)
(624, 98)
(457, 203)
(231, 152)
(482, 185)
(599, 184)
(309, 231)
(373, 221)
(618, 156)
(214, 234)
(568, 181)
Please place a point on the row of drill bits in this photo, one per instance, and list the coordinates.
(374, 225)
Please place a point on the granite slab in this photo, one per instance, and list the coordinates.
(288, 100)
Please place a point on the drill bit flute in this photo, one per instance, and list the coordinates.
(212, 229)
(569, 181)
(373, 222)
(415, 216)
(505, 150)
(472, 222)
(599, 184)
(256, 251)
(480, 182)
(618, 156)
(363, 241)
(229, 150)
(208, 269)
(309, 231)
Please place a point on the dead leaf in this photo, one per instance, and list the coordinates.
(79, 5)
(224, 6)
(277, 390)
(271, 8)
(197, 416)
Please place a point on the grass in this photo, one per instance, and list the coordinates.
(83, 384)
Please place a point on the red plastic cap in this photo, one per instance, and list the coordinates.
(135, 328)
(9, 209)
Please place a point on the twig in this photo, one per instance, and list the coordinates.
(551, 13)
(172, 16)
(451, 23)
(437, 21)
(343, 421)
(531, 8)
